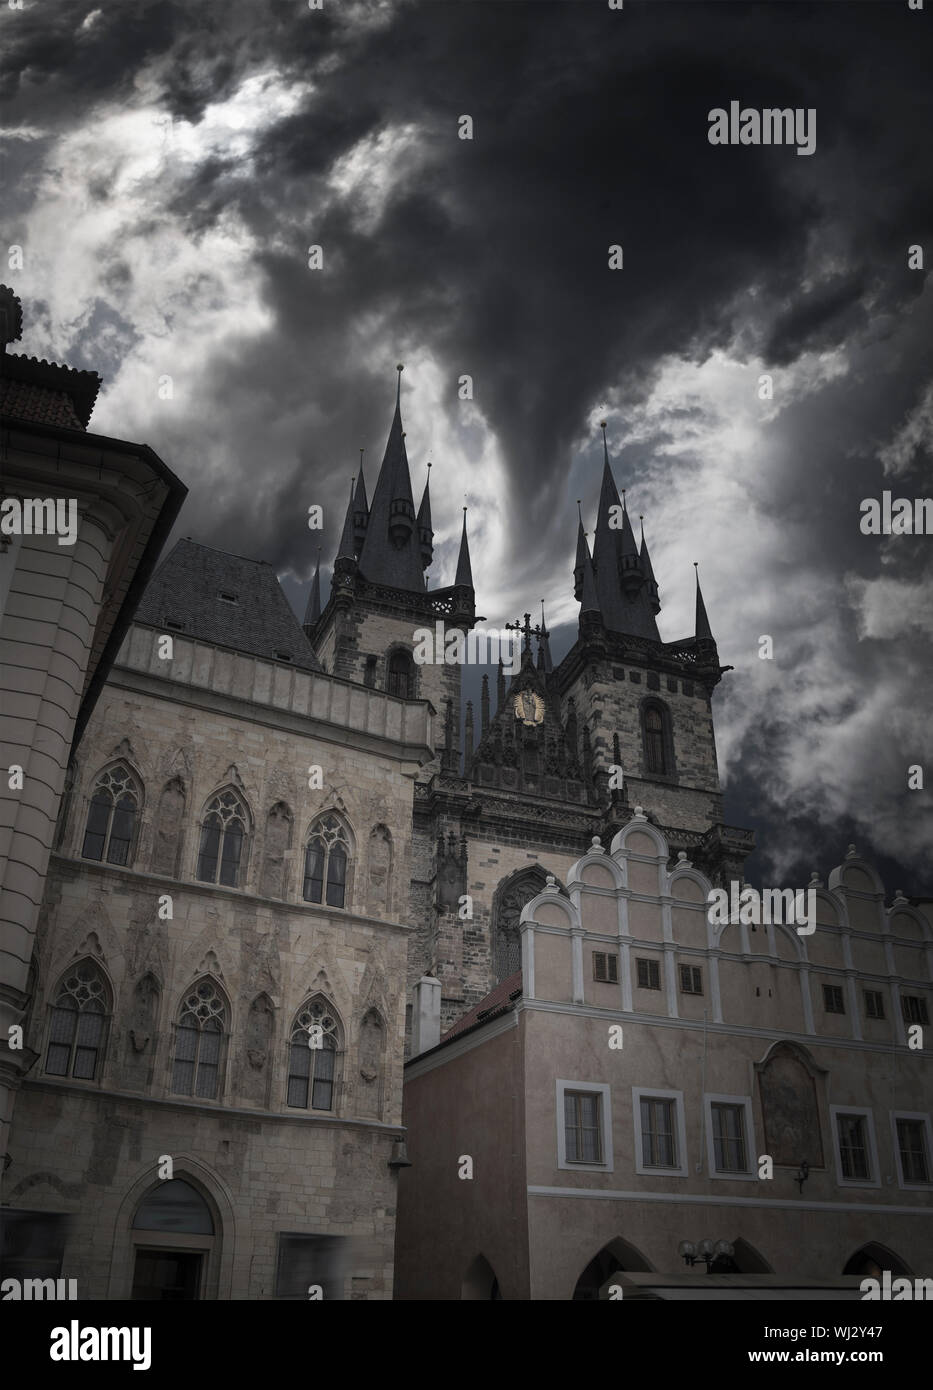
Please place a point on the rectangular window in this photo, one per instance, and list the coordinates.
(912, 1146)
(729, 1138)
(853, 1147)
(914, 1008)
(649, 974)
(691, 979)
(582, 1127)
(605, 967)
(833, 1001)
(658, 1144)
(307, 1260)
(874, 1003)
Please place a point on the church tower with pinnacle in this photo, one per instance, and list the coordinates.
(644, 704)
(380, 597)
(563, 757)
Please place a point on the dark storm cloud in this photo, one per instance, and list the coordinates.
(491, 256)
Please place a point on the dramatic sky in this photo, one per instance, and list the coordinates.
(166, 167)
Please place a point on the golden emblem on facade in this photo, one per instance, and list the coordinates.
(529, 707)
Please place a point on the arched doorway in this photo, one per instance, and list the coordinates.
(173, 1233)
(480, 1282)
(617, 1256)
(872, 1260)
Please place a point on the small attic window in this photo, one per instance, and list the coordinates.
(174, 623)
(227, 596)
(282, 656)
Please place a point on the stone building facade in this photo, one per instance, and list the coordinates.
(286, 857)
(649, 1077)
(66, 600)
(215, 795)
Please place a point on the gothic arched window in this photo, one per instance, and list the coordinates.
(400, 675)
(511, 896)
(327, 858)
(223, 831)
(656, 736)
(312, 1056)
(79, 1023)
(112, 817)
(199, 1039)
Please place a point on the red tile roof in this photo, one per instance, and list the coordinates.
(36, 403)
(495, 1002)
(46, 392)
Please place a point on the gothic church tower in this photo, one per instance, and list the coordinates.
(379, 596)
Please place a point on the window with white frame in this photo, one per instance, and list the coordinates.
(584, 1126)
(660, 1141)
(856, 1152)
(913, 1145)
(730, 1136)
(691, 979)
(606, 967)
(649, 973)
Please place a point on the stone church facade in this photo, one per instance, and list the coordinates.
(278, 870)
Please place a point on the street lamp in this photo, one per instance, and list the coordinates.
(706, 1250)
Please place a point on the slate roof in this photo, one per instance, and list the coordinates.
(495, 1003)
(186, 590)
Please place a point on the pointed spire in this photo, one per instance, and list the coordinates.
(589, 601)
(484, 706)
(500, 689)
(390, 553)
(468, 737)
(544, 651)
(425, 532)
(703, 630)
(651, 584)
(583, 554)
(464, 570)
(360, 507)
(424, 511)
(620, 584)
(313, 610)
(347, 549)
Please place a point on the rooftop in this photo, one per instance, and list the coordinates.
(228, 600)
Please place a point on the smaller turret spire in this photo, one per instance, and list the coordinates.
(651, 584)
(464, 570)
(346, 550)
(425, 532)
(582, 556)
(703, 630)
(589, 602)
(545, 664)
(313, 610)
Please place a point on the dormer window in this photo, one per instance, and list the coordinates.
(282, 656)
(227, 596)
(174, 624)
